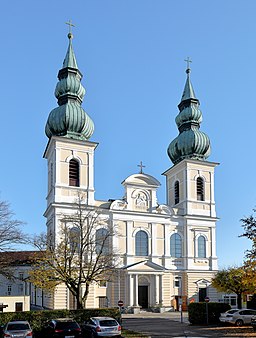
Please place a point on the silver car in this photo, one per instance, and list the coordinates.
(242, 317)
(17, 329)
(101, 327)
(225, 317)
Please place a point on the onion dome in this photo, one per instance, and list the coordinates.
(191, 143)
(69, 119)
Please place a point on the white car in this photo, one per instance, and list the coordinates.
(227, 316)
(240, 317)
(18, 328)
(101, 327)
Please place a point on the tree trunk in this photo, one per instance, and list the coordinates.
(85, 295)
(79, 301)
(239, 300)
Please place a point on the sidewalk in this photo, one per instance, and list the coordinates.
(175, 316)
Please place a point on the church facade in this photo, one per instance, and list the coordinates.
(167, 252)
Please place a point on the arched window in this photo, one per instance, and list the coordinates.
(176, 246)
(141, 243)
(74, 173)
(176, 192)
(200, 189)
(102, 241)
(74, 239)
(201, 247)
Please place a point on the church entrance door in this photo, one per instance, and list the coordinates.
(143, 296)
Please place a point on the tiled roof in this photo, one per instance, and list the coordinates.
(19, 257)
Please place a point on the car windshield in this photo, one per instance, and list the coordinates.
(17, 326)
(231, 311)
(66, 325)
(108, 322)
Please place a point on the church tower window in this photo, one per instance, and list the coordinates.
(74, 173)
(141, 243)
(176, 246)
(201, 247)
(200, 189)
(176, 192)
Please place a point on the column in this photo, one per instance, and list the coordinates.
(136, 289)
(160, 289)
(153, 239)
(131, 290)
(156, 289)
(129, 237)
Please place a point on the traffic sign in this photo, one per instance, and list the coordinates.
(120, 303)
(207, 299)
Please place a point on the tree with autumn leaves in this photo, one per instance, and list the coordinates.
(81, 254)
(241, 280)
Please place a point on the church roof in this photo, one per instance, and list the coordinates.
(18, 258)
(69, 119)
(191, 143)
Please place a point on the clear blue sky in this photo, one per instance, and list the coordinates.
(131, 54)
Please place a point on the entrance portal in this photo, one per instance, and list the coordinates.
(143, 296)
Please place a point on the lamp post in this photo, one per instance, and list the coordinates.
(180, 301)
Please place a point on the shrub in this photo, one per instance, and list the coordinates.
(197, 312)
(38, 318)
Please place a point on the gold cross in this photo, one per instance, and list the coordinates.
(141, 167)
(70, 26)
(188, 62)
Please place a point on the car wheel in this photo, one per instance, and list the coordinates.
(239, 322)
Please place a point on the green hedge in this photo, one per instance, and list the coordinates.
(38, 318)
(197, 312)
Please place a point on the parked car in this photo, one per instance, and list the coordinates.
(241, 317)
(63, 328)
(101, 327)
(17, 329)
(225, 317)
(253, 322)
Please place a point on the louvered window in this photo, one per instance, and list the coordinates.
(74, 173)
(176, 192)
(200, 189)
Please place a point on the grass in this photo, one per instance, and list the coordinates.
(130, 334)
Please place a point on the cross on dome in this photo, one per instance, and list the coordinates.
(141, 167)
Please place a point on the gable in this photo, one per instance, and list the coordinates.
(145, 266)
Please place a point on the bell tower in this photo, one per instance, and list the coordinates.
(190, 182)
(69, 153)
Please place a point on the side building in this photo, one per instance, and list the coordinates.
(167, 251)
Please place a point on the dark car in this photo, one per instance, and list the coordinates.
(253, 322)
(63, 328)
(101, 327)
(17, 329)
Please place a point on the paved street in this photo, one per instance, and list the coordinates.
(168, 325)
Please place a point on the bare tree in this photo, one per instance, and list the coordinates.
(81, 253)
(10, 236)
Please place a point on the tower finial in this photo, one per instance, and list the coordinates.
(70, 35)
(188, 62)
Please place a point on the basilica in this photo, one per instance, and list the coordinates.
(167, 251)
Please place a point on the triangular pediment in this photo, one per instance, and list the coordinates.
(203, 283)
(144, 266)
